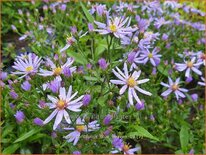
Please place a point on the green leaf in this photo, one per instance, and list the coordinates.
(184, 137)
(163, 69)
(89, 78)
(78, 57)
(27, 135)
(142, 132)
(11, 149)
(87, 14)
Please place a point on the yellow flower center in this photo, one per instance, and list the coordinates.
(61, 104)
(113, 28)
(147, 34)
(29, 68)
(150, 55)
(131, 82)
(175, 87)
(126, 148)
(57, 71)
(189, 64)
(80, 128)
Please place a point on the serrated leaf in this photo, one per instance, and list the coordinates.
(87, 14)
(27, 135)
(184, 137)
(142, 132)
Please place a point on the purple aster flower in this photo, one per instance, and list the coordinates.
(202, 83)
(116, 27)
(108, 131)
(28, 66)
(107, 119)
(139, 106)
(117, 142)
(153, 57)
(12, 106)
(86, 99)
(54, 134)
(159, 22)
(188, 66)
(13, 94)
(60, 104)
(89, 66)
(67, 72)
(99, 8)
(194, 97)
(131, 57)
(76, 152)
(164, 37)
(189, 79)
(80, 69)
(174, 87)
(26, 86)
(131, 82)
(38, 121)
(3, 75)
(63, 7)
(102, 63)
(154, 71)
(19, 116)
(80, 127)
(90, 27)
(55, 84)
(152, 118)
(120, 146)
(142, 24)
(192, 151)
(56, 70)
(73, 29)
(42, 104)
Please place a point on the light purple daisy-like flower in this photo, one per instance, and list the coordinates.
(188, 66)
(202, 83)
(174, 87)
(60, 104)
(160, 22)
(57, 70)
(100, 9)
(121, 147)
(27, 66)
(116, 26)
(146, 56)
(130, 82)
(80, 127)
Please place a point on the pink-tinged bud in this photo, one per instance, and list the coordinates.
(38, 121)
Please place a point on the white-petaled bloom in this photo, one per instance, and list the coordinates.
(71, 40)
(188, 66)
(80, 127)
(116, 26)
(174, 87)
(60, 104)
(57, 70)
(27, 66)
(202, 83)
(130, 82)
